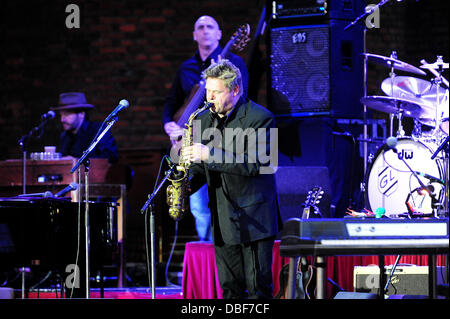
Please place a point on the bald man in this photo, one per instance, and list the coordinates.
(207, 35)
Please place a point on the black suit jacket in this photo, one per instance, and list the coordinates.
(242, 193)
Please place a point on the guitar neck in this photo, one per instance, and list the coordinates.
(193, 104)
(306, 212)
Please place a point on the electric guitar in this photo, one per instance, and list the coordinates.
(312, 200)
(237, 42)
(310, 210)
(305, 276)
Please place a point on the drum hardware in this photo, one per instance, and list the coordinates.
(417, 199)
(438, 65)
(444, 148)
(436, 73)
(441, 117)
(395, 107)
(394, 63)
(424, 92)
(441, 148)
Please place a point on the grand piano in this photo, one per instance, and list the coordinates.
(40, 229)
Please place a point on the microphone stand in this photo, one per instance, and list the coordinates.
(23, 145)
(148, 206)
(353, 23)
(84, 160)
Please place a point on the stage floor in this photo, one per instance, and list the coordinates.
(173, 292)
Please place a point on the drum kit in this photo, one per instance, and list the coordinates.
(410, 178)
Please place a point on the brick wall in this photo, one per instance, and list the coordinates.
(131, 49)
(123, 49)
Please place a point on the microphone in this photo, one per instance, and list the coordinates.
(71, 187)
(170, 162)
(123, 104)
(430, 177)
(391, 143)
(48, 116)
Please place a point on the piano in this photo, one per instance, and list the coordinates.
(107, 188)
(49, 233)
(363, 236)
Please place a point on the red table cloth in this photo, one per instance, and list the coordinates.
(200, 278)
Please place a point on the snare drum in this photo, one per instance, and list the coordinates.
(389, 181)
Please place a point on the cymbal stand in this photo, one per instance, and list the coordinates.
(438, 82)
(392, 76)
(400, 130)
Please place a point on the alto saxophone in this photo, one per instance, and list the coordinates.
(177, 191)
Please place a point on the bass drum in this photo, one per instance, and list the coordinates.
(389, 182)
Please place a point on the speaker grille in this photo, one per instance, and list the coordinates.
(300, 69)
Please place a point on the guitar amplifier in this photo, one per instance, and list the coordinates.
(406, 280)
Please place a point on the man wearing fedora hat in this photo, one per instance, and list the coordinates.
(79, 133)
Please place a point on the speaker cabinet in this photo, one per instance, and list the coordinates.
(406, 280)
(293, 185)
(316, 69)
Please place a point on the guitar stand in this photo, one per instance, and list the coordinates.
(320, 264)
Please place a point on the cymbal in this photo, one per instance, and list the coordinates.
(435, 65)
(392, 105)
(412, 89)
(393, 63)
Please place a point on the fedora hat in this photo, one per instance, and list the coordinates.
(72, 101)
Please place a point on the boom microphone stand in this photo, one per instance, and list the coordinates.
(353, 23)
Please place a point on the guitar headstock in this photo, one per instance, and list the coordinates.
(314, 196)
(241, 37)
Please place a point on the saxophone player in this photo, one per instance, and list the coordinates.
(243, 201)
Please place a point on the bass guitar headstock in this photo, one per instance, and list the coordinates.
(241, 37)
